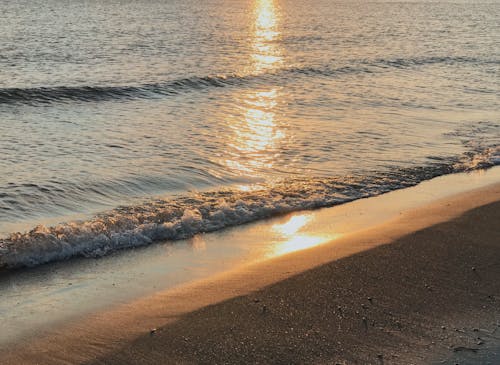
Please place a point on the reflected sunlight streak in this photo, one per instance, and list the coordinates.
(267, 54)
(298, 243)
(293, 225)
(198, 243)
(255, 144)
(294, 240)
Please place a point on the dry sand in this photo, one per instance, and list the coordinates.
(421, 289)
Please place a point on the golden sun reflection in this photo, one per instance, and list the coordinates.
(294, 239)
(198, 243)
(293, 225)
(266, 54)
(297, 243)
(257, 133)
(266, 14)
(256, 136)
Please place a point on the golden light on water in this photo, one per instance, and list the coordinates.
(266, 15)
(294, 239)
(266, 51)
(257, 134)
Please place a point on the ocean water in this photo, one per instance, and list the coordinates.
(128, 122)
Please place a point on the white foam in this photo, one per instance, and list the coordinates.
(185, 216)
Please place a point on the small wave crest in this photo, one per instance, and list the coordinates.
(421, 61)
(49, 95)
(184, 216)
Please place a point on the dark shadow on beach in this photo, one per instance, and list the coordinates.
(431, 296)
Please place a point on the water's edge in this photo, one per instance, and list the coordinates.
(184, 216)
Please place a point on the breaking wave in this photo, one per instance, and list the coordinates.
(186, 215)
(49, 95)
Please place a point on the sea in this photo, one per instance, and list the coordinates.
(124, 123)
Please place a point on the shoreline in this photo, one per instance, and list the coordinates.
(184, 216)
(109, 334)
(77, 288)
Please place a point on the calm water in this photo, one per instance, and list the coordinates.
(176, 117)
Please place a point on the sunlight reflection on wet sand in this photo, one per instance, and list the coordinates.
(294, 240)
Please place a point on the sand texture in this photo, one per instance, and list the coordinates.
(424, 288)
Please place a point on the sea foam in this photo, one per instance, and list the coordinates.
(186, 215)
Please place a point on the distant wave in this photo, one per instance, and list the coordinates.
(49, 95)
(421, 61)
(187, 215)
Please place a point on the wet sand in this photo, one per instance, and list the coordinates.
(420, 289)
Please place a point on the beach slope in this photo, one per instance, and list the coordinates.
(421, 289)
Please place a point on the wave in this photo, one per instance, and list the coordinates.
(421, 61)
(187, 215)
(49, 95)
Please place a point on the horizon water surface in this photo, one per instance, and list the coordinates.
(158, 120)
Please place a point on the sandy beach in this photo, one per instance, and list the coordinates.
(420, 289)
(249, 182)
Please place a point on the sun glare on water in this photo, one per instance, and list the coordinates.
(267, 54)
(257, 133)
